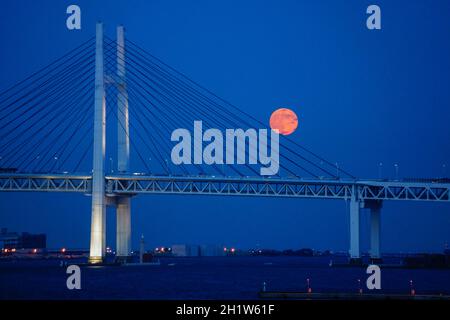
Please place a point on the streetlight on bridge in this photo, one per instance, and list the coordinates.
(396, 171)
(56, 162)
(380, 167)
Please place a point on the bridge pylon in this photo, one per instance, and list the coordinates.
(123, 202)
(98, 218)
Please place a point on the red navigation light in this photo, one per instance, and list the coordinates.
(63, 250)
(34, 250)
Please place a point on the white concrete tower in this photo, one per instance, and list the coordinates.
(375, 229)
(355, 206)
(123, 237)
(98, 220)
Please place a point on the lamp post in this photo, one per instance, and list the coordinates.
(167, 166)
(150, 170)
(396, 171)
(380, 167)
(308, 285)
(412, 290)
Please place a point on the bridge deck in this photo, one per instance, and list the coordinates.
(246, 186)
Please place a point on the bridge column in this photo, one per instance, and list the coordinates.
(98, 219)
(355, 206)
(123, 236)
(123, 240)
(375, 228)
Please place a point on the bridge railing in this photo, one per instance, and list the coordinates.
(45, 183)
(241, 186)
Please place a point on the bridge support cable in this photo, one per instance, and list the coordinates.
(174, 109)
(133, 56)
(73, 130)
(48, 117)
(111, 93)
(233, 124)
(22, 143)
(65, 85)
(173, 103)
(133, 94)
(116, 117)
(181, 100)
(154, 148)
(169, 119)
(34, 131)
(192, 86)
(44, 74)
(74, 109)
(89, 146)
(162, 147)
(48, 89)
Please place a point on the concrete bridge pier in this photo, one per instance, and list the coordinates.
(355, 206)
(123, 228)
(375, 229)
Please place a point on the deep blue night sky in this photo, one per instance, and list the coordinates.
(362, 97)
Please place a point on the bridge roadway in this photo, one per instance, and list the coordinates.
(362, 194)
(218, 185)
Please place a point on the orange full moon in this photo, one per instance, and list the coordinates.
(284, 120)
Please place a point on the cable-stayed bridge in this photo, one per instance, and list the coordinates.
(54, 137)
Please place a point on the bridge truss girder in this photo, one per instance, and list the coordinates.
(319, 189)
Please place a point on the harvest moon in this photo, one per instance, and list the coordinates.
(284, 120)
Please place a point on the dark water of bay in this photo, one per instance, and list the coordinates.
(206, 278)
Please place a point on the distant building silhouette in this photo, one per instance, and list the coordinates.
(25, 240)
